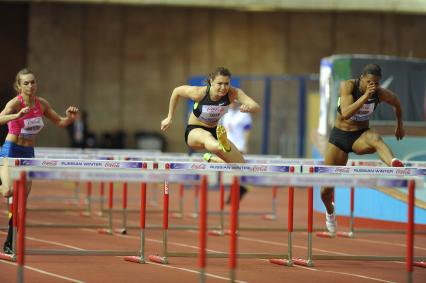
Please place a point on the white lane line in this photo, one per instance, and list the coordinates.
(285, 245)
(50, 242)
(54, 243)
(344, 273)
(274, 243)
(313, 269)
(388, 243)
(359, 276)
(303, 247)
(134, 237)
(45, 272)
(195, 271)
(157, 241)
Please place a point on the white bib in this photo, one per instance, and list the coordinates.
(32, 126)
(212, 113)
(363, 113)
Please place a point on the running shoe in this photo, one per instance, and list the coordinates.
(396, 163)
(331, 222)
(207, 156)
(7, 248)
(222, 138)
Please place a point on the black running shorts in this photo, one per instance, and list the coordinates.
(345, 139)
(191, 127)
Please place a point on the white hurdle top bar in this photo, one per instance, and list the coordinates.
(276, 178)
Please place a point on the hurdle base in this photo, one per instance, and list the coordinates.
(325, 235)
(122, 231)
(158, 259)
(228, 232)
(345, 234)
(105, 232)
(285, 262)
(218, 233)
(271, 217)
(135, 259)
(303, 262)
(420, 264)
(8, 257)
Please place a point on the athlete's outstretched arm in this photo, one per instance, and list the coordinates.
(58, 120)
(390, 98)
(186, 91)
(10, 113)
(247, 103)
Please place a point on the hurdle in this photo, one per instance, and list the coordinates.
(72, 174)
(247, 176)
(104, 165)
(200, 168)
(367, 167)
(405, 173)
(275, 166)
(100, 164)
(137, 155)
(103, 154)
(301, 179)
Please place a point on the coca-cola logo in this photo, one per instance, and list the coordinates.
(403, 171)
(198, 166)
(212, 109)
(260, 168)
(49, 163)
(112, 165)
(342, 170)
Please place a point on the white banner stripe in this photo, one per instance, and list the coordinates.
(180, 176)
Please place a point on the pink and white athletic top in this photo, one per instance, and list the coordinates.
(30, 124)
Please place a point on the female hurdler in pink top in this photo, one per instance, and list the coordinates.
(23, 114)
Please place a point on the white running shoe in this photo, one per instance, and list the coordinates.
(331, 222)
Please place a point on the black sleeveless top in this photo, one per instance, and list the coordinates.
(209, 111)
(365, 112)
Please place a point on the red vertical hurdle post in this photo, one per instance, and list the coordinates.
(233, 228)
(14, 211)
(141, 257)
(101, 198)
(163, 259)
(290, 213)
(15, 214)
(203, 229)
(22, 196)
(410, 230)
(308, 261)
(290, 221)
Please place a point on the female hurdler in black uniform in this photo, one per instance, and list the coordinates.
(351, 133)
(211, 103)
